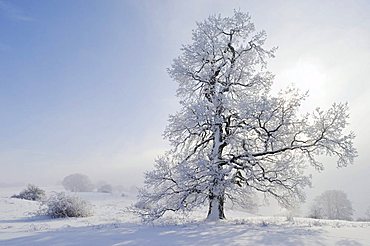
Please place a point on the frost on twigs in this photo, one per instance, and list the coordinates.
(32, 193)
(232, 137)
(59, 205)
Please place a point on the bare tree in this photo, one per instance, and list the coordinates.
(333, 205)
(232, 136)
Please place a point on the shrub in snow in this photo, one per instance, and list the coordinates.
(290, 218)
(32, 193)
(264, 223)
(77, 183)
(105, 189)
(59, 205)
(333, 205)
(317, 223)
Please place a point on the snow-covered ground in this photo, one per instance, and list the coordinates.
(111, 224)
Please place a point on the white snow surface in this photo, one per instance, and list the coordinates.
(112, 224)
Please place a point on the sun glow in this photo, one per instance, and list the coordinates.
(306, 75)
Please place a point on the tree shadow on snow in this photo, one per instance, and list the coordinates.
(187, 234)
(348, 242)
(290, 236)
(27, 219)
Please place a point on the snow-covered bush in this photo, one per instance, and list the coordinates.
(77, 183)
(333, 205)
(32, 193)
(59, 205)
(105, 188)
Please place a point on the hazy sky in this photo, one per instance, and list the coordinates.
(84, 88)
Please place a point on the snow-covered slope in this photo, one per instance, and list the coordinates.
(113, 225)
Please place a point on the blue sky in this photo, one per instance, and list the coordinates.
(84, 88)
(76, 82)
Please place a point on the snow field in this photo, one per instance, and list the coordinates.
(111, 224)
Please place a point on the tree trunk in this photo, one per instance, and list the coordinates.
(216, 208)
(217, 191)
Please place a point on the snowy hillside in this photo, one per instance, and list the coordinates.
(111, 225)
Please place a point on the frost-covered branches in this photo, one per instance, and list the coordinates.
(232, 136)
(32, 193)
(59, 205)
(225, 53)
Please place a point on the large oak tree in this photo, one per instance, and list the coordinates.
(232, 136)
